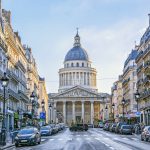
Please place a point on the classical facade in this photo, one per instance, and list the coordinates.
(77, 99)
(143, 76)
(129, 86)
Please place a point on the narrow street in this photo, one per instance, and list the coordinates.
(93, 139)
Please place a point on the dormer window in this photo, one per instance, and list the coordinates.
(77, 65)
(71, 64)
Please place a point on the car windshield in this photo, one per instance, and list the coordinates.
(26, 131)
(44, 128)
(126, 127)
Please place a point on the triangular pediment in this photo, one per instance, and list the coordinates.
(78, 91)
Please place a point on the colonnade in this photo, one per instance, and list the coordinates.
(80, 78)
(74, 113)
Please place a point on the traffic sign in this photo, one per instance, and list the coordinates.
(42, 115)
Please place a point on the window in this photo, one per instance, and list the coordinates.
(82, 64)
(77, 65)
(71, 64)
(67, 65)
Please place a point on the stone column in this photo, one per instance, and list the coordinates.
(83, 111)
(92, 111)
(64, 111)
(73, 111)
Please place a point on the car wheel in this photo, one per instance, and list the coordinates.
(146, 139)
(142, 139)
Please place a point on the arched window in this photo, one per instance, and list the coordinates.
(71, 64)
(67, 65)
(77, 65)
(82, 64)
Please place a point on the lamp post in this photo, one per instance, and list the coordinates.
(43, 109)
(113, 107)
(55, 114)
(106, 108)
(32, 98)
(50, 106)
(5, 82)
(137, 96)
(123, 103)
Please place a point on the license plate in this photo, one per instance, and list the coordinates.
(23, 140)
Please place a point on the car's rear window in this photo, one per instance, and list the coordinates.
(126, 127)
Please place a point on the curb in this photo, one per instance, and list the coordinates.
(7, 147)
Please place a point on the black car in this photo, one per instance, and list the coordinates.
(112, 128)
(126, 129)
(118, 126)
(28, 136)
(46, 130)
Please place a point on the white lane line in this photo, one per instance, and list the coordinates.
(112, 148)
(135, 139)
(85, 135)
(125, 138)
(51, 139)
(107, 145)
(60, 139)
(43, 140)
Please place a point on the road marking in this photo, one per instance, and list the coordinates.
(51, 139)
(85, 135)
(60, 139)
(107, 145)
(78, 135)
(125, 138)
(112, 148)
(43, 140)
(135, 139)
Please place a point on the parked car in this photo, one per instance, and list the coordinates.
(145, 135)
(101, 125)
(136, 129)
(46, 130)
(118, 126)
(28, 136)
(106, 127)
(125, 129)
(112, 128)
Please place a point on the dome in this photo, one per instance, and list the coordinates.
(77, 53)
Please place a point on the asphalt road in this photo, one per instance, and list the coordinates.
(93, 139)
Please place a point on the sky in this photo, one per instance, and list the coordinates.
(108, 31)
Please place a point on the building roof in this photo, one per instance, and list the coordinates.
(77, 52)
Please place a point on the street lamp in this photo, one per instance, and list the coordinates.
(106, 108)
(113, 106)
(50, 106)
(123, 103)
(43, 109)
(32, 97)
(5, 82)
(137, 96)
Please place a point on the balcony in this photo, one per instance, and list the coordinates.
(3, 45)
(13, 94)
(147, 65)
(146, 51)
(139, 68)
(129, 68)
(139, 82)
(146, 80)
(145, 94)
(23, 96)
(2, 93)
(20, 64)
(125, 81)
(139, 56)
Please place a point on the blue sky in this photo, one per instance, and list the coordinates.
(108, 29)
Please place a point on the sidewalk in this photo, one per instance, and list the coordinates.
(9, 144)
